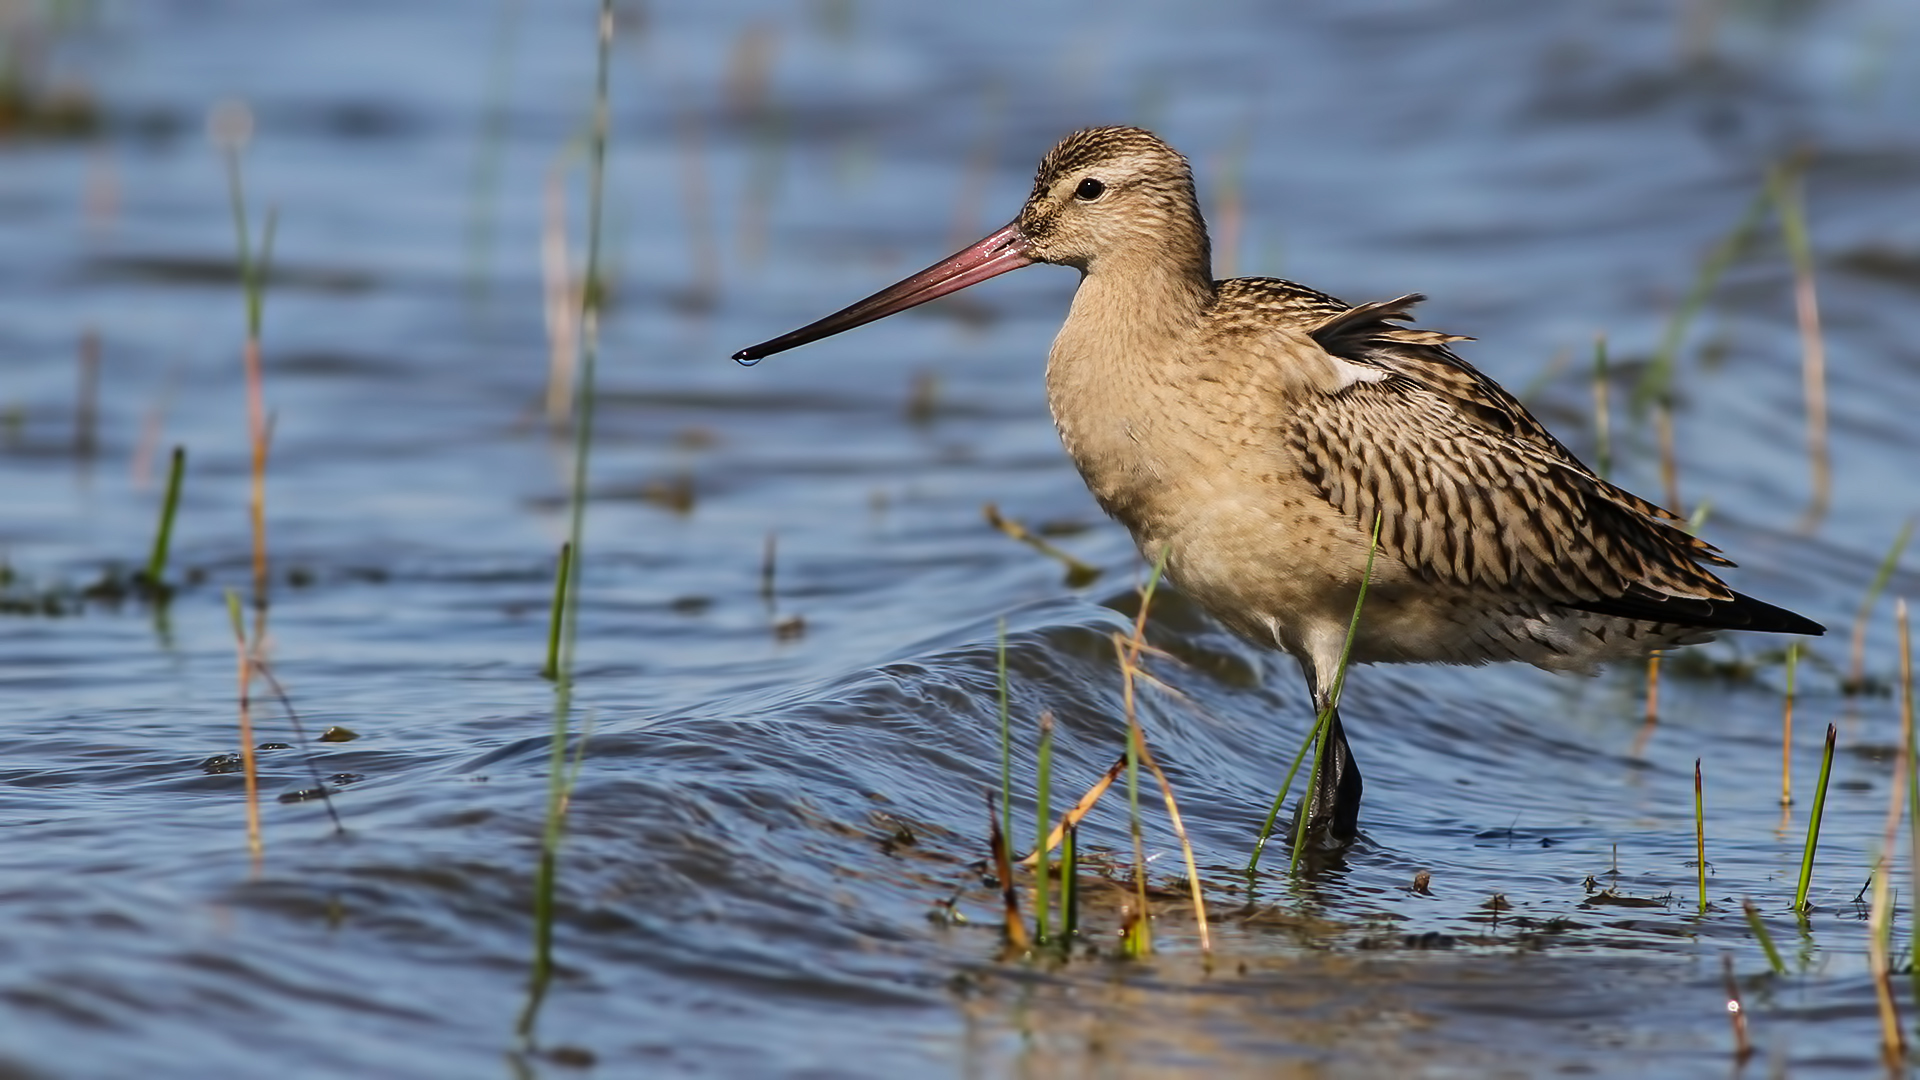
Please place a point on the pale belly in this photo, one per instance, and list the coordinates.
(1287, 574)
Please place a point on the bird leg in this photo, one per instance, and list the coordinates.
(1332, 805)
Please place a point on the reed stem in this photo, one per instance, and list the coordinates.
(1786, 728)
(1762, 935)
(249, 766)
(1280, 799)
(1736, 1011)
(556, 615)
(561, 779)
(1006, 732)
(1043, 795)
(163, 536)
(1129, 653)
(1813, 823)
(1857, 667)
(1813, 355)
(1137, 937)
(1653, 691)
(1880, 918)
(1700, 831)
(1657, 383)
(1911, 751)
(1323, 723)
(997, 841)
(1069, 885)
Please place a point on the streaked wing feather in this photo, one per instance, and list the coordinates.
(1370, 333)
(1475, 492)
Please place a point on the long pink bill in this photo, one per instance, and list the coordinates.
(1004, 250)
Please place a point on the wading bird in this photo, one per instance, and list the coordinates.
(1256, 435)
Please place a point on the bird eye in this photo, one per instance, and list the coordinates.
(1089, 190)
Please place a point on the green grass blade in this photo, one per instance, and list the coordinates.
(1317, 742)
(556, 617)
(1069, 885)
(1857, 668)
(235, 617)
(1700, 831)
(256, 276)
(1006, 734)
(1813, 824)
(163, 536)
(1339, 685)
(1913, 780)
(1043, 794)
(1657, 382)
(1135, 941)
(1765, 938)
(1786, 726)
(560, 777)
(1280, 799)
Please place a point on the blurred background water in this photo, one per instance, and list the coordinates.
(780, 807)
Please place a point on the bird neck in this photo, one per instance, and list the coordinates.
(1128, 344)
(1135, 307)
(1126, 321)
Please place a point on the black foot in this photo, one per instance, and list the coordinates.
(1332, 805)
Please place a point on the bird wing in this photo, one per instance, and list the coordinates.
(1472, 490)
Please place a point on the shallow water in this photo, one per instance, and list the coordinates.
(770, 824)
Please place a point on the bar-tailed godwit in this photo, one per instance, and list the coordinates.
(1255, 431)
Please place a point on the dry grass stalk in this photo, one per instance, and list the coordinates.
(1669, 456)
(231, 126)
(252, 651)
(1736, 1012)
(1136, 937)
(146, 445)
(256, 845)
(1652, 718)
(1071, 819)
(1653, 689)
(562, 302)
(1079, 573)
(1880, 919)
(1813, 354)
(258, 436)
(1003, 869)
(1129, 650)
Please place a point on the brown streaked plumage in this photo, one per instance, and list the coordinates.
(1254, 430)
